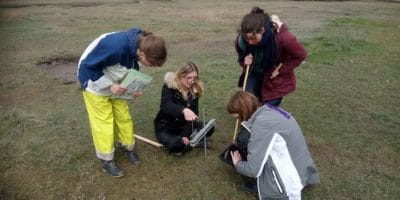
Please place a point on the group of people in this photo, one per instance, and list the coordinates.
(270, 146)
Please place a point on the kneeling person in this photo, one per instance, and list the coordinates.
(277, 154)
(179, 109)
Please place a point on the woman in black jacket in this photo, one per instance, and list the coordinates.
(179, 109)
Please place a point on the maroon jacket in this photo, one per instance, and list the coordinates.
(291, 54)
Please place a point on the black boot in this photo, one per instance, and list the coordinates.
(132, 157)
(111, 168)
(250, 187)
(177, 154)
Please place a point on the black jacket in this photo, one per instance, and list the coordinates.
(171, 108)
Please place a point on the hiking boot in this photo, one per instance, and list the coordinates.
(111, 168)
(132, 157)
(250, 187)
(177, 154)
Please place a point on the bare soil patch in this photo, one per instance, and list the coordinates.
(302, 18)
(63, 68)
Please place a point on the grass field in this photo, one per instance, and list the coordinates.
(347, 99)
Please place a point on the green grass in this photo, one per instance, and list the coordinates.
(346, 99)
(350, 92)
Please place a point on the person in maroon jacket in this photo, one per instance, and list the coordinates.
(272, 53)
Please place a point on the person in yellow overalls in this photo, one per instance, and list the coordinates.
(101, 67)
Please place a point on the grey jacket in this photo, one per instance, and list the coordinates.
(278, 155)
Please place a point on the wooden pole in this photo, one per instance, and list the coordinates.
(246, 75)
(235, 131)
(147, 140)
(275, 70)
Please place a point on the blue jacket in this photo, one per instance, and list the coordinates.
(109, 49)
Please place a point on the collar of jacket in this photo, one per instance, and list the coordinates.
(133, 35)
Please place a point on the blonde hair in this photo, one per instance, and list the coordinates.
(244, 104)
(154, 48)
(197, 88)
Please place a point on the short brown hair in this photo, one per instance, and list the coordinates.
(154, 48)
(254, 21)
(244, 104)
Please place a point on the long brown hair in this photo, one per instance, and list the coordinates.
(197, 88)
(244, 104)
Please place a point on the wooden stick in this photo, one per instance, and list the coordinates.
(279, 66)
(235, 131)
(246, 75)
(275, 70)
(147, 140)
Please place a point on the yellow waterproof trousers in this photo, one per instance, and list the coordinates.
(110, 121)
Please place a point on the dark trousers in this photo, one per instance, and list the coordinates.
(171, 137)
(253, 85)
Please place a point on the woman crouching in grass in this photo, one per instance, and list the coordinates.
(179, 109)
(277, 154)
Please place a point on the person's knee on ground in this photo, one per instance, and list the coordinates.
(176, 145)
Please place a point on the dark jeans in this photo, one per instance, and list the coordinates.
(254, 84)
(171, 137)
